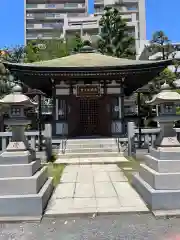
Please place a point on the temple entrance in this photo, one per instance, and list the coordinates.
(89, 117)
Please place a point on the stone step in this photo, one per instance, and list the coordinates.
(23, 185)
(30, 206)
(160, 181)
(92, 160)
(157, 199)
(90, 150)
(93, 145)
(90, 155)
(162, 166)
(171, 153)
(19, 170)
(92, 141)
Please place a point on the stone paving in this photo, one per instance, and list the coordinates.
(93, 160)
(94, 189)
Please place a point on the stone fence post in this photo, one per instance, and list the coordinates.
(131, 136)
(48, 140)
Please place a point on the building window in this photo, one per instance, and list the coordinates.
(99, 10)
(50, 5)
(29, 25)
(50, 14)
(29, 15)
(31, 5)
(132, 8)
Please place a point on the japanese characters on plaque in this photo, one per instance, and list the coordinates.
(88, 90)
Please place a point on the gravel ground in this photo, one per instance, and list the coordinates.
(125, 227)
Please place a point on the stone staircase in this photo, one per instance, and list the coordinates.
(89, 149)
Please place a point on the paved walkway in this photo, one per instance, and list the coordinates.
(89, 189)
(93, 160)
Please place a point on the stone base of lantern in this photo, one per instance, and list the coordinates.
(158, 179)
(24, 185)
(25, 207)
(19, 170)
(17, 153)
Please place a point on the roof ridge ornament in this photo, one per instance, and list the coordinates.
(87, 49)
(86, 44)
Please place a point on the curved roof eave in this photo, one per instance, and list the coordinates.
(134, 66)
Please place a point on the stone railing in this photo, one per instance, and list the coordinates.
(33, 137)
(147, 136)
(140, 140)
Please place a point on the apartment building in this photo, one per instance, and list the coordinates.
(48, 19)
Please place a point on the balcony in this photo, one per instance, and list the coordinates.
(45, 16)
(46, 35)
(82, 26)
(54, 7)
(48, 26)
(129, 1)
(83, 19)
(99, 2)
(83, 23)
(53, 1)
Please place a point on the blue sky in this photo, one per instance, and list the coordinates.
(161, 15)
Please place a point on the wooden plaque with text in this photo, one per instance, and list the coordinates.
(88, 91)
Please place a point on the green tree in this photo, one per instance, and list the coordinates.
(114, 38)
(15, 54)
(32, 51)
(176, 64)
(41, 50)
(5, 85)
(75, 43)
(160, 43)
(166, 75)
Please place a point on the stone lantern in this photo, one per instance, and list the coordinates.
(24, 184)
(17, 103)
(166, 101)
(158, 180)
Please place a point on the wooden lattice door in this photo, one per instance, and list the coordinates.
(104, 116)
(89, 120)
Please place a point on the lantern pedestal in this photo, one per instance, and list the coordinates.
(158, 180)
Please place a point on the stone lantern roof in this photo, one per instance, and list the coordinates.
(17, 98)
(166, 95)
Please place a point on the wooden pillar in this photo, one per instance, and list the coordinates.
(54, 109)
(122, 106)
(40, 121)
(70, 88)
(105, 87)
(139, 118)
